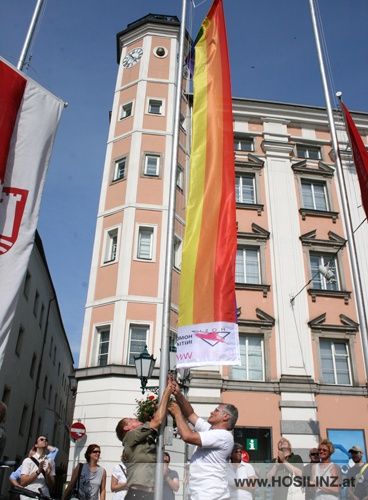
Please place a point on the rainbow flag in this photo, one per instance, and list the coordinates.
(208, 333)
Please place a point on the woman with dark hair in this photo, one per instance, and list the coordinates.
(328, 475)
(88, 481)
(37, 470)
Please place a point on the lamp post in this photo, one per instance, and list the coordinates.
(144, 364)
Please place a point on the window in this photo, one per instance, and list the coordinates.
(138, 341)
(177, 252)
(251, 357)
(247, 265)
(119, 169)
(151, 165)
(42, 312)
(335, 362)
(111, 245)
(243, 143)
(27, 285)
(155, 107)
(308, 152)
(180, 177)
(314, 195)
(18, 346)
(44, 388)
(245, 188)
(23, 420)
(103, 345)
(33, 365)
(126, 110)
(36, 303)
(6, 395)
(324, 271)
(145, 243)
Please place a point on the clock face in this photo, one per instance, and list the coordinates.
(132, 57)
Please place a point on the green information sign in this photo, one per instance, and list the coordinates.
(251, 444)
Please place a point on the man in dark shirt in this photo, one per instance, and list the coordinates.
(356, 455)
(171, 479)
(139, 456)
(309, 473)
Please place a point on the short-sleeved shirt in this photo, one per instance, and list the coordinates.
(29, 467)
(209, 463)
(139, 455)
(237, 474)
(361, 482)
(119, 473)
(168, 493)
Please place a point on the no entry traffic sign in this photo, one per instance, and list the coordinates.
(77, 431)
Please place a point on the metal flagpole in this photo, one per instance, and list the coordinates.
(343, 191)
(164, 356)
(30, 33)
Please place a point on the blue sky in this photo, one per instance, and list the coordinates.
(273, 57)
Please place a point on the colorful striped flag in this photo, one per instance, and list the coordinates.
(360, 155)
(208, 333)
(29, 116)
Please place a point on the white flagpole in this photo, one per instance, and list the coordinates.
(343, 192)
(164, 356)
(29, 36)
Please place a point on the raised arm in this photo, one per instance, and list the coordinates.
(187, 435)
(185, 407)
(161, 411)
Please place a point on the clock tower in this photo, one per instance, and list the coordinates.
(124, 305)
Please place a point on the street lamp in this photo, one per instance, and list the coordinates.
(144, 364)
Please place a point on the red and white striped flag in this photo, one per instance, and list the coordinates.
(29, 116)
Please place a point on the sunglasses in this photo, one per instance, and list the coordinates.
(323, 450)
(42, 439)
(96, 451)
(314, 454)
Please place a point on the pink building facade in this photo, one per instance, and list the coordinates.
(302, 373)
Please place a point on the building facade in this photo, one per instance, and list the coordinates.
(302, 373)
(34, 376)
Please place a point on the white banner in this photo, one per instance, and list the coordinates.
(207, 344)
(29, 117)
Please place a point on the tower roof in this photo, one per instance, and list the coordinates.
(148, 19)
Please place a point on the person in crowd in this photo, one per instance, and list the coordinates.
(88, 479)
(214, 440)
(171, 479)
(119, 481)
(284, 465)
(309, 472)
(356, 454)
(139, 456)
(37, 471)
(328, 474)
(242, 476)
(3, 411)
(51, 453)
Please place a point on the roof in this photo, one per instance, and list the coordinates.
(148, 19)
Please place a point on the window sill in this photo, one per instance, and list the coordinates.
(251, 206)
(114, 181)
(318, 213)
(109, 262)
(337, 294)
(254, 286)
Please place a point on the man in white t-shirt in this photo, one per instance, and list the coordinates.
(242, 476)
(214, 440)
